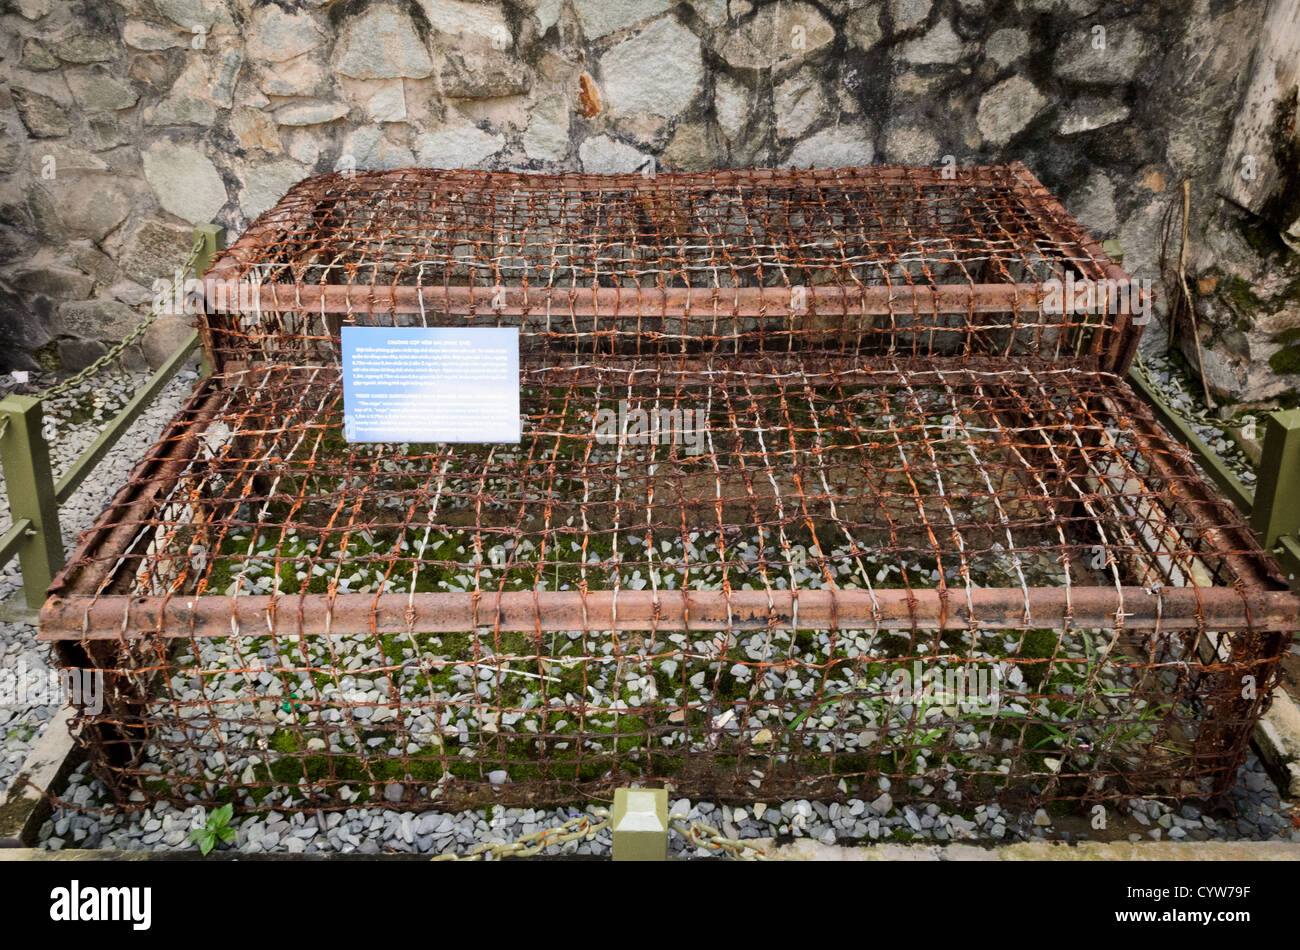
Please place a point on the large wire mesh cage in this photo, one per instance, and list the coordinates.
(819, 484)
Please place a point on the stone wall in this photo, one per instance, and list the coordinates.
(126, 122)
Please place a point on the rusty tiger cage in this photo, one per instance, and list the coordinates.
(872, 506)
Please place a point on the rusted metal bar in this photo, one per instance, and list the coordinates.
(586, 301)
(1136, 608)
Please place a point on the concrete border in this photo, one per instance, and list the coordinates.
(803, 850)
(807, 850)
(14, 613)
(48, 765)
(1277, 737)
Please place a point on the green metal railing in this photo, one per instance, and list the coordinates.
(35, 536)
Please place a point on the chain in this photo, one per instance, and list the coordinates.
(711, 839)
(117, 349)
(583, 826)
(589, 825)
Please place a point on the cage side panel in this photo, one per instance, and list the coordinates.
(1015, 716)
(893, 261)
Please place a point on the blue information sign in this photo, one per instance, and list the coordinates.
(431, 384)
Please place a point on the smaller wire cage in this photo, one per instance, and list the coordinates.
(818, 486)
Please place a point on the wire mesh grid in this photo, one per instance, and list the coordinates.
(870, 260)
(744, 549)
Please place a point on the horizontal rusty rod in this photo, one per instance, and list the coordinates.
(611, 301)
(815, 372)
(108, 618)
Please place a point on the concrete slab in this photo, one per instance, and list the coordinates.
(47, 767)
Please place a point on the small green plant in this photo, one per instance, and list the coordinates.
(217, 828)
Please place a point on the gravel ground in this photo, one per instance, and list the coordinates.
(72, 422)
(1260, 814)
(1181, 393)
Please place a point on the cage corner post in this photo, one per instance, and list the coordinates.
(210, 240)
(110, 747)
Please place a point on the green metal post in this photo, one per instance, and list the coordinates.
(214, 241)
(640, 824)
(26, 461)
(1277, 490)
